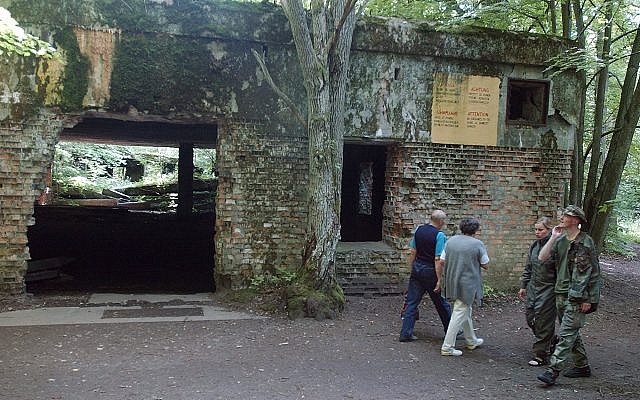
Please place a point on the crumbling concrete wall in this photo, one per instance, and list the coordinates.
(191, 60)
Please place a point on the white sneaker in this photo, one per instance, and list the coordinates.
(477, 343)
(450, 352)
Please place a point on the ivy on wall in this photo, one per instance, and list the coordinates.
(15, 41)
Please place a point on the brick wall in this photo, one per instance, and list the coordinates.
(260, 203)
(26, 151)
(370, 268)
(507, 189)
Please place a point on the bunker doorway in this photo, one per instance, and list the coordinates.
(120, 240)
(362, 192)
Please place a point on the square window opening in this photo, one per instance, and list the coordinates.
(527, 102)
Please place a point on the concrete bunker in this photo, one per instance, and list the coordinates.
(190, 63)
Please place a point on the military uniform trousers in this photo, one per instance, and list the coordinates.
(570, 345)
(541, 318)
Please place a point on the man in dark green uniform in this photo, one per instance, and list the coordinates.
(577, 291)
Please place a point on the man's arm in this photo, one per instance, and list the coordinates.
(441, 240)
(412, 257)
(484, 258)
(439, 268)
(547, 249)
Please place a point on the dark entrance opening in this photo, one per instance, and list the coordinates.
(362, 192)
(123, 246)
(527, 102)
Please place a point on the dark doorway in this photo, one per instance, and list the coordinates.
(129, 238)
(362, 192)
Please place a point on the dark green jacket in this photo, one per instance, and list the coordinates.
(538, 278)
(578, 269)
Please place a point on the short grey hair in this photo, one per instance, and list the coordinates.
(438, 215)
(469, 226)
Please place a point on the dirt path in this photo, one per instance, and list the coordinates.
(355, 357)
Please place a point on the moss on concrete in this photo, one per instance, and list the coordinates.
(158, 73)
(212, 18)
(76, 74)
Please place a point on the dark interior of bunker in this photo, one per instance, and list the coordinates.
(117, 245)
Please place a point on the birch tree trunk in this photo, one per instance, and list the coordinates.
(323, 49)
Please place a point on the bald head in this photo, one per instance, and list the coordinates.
(437, 218)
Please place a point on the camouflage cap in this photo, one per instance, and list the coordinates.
(575, 211)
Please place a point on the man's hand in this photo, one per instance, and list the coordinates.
(585, 307)
(437, 288)
(557, 231)
(522, 293)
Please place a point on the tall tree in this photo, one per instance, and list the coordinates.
(600, 207)
(323, 44)
(602, 79)
(577, 170)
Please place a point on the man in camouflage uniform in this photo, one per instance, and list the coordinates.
(577, 291)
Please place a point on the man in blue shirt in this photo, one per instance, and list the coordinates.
(426, 271)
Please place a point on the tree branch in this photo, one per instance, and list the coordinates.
(607, 133)
(622, 56)
(622, 35)
(348, 7)
(280, 93)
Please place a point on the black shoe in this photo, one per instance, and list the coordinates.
(578, 372)
(408, 339)
(549, 377)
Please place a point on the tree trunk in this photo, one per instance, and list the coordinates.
(626, 122)
(553, 16)
(577, 175)
(323, 53)
(598, 118)
(565, 9)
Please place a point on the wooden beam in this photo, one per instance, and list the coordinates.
(185, 179)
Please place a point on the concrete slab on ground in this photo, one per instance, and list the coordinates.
(158, 310)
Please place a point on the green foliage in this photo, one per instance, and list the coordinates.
(273, 282)
(574, 59)
(14, 40)
(88, 168)
(488, 290)
(515, 15)
(621, 236)
(299, 296)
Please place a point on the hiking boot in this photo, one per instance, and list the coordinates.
(549, 377)
(475, 344)
(578, 372)
(408, 339)
(450, 352)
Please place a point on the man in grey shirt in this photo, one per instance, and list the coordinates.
(463, 256)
